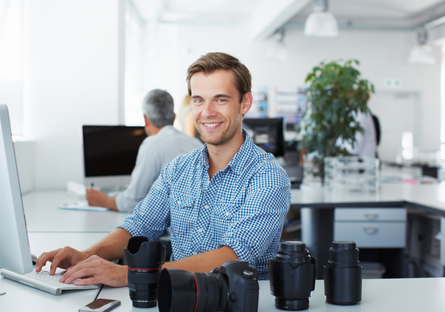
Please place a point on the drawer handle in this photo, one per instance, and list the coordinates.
(371, 215)
(370, 230)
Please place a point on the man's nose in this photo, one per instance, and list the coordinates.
(209, 110)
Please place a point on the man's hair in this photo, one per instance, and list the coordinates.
(212, 62)
(158, 106)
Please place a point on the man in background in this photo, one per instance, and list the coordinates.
(162, 145)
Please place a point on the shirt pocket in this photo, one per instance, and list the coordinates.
(183, 216)
(223, 216)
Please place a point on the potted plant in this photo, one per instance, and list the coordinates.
(334, 97)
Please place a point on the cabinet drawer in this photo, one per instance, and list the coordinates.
(370, 214)
(372, 234)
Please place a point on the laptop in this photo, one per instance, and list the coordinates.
(15, 257)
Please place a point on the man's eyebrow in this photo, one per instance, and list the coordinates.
(196, 96)
(222, 95)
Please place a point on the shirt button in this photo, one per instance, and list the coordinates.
(194, 253)
(206, 207)
(199, 230)
(227, 214)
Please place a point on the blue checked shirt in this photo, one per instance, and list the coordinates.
(243, 206)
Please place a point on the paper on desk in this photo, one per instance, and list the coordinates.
(82, 205)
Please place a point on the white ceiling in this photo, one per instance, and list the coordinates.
(269, 15)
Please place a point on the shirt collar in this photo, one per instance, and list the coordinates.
(238, 160)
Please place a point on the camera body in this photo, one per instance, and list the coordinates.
(144, 260)
(243, 285)
(292, 276)
(233, 288)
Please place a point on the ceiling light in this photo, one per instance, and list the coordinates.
(321, 23)
(277, 49)
(422, 53)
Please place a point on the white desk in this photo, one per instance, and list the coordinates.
(420, 294)
(429, 197)
(317, 217)
(42, 215)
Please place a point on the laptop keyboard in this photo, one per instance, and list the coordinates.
(44, 276)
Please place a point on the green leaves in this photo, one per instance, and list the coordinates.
(335, 95)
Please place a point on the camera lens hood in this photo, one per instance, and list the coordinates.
(179, 285)
(142, 254)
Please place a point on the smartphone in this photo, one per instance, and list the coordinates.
(101, 305)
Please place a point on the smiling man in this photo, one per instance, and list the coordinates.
(224, 201)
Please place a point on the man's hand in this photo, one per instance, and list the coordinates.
(96, 270)
(97, 198)
(63, 258)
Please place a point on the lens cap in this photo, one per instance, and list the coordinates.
(293, 246)
(343, 245)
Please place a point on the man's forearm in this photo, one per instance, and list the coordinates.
(204, 262)
(111, 203)
(111, 247)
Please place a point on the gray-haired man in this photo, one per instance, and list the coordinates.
(162, 145)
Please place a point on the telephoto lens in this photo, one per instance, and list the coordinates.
(232, 288)
(292, 276)
(144, 260)
(343, 274)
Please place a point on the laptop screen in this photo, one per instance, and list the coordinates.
(14, 247)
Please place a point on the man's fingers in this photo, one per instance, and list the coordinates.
(87, 281)
(81, 269)
(79, 274)
(45, 257)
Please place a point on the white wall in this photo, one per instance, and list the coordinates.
(381, 54)
(72, 62)
(71, 79)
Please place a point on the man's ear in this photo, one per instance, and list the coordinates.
(246, 103)
(147, 121)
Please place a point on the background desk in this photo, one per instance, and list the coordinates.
(43, 215)
(317, 215)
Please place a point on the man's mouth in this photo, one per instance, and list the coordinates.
(211, 124)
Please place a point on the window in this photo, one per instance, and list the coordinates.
(11, 61)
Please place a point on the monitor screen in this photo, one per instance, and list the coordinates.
(14, 246)
(267, 133)
(111, 151)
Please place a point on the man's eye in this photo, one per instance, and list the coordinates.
(198, 101)
(221, 100)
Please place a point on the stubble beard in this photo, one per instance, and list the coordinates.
(223, 139)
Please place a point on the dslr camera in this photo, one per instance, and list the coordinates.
(232, 288)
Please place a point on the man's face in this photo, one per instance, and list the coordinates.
(216, 107)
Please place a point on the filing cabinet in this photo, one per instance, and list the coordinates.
(371, 227)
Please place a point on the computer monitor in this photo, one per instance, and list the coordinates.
(14, 246)
(110, 154)
(267, 133)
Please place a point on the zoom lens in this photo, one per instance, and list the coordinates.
(182, 291)
(343, 274)
(233, 287)
(144, 260)
(292, 276)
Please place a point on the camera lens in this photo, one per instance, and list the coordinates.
(343, 274)
(233, 287)
(182, 291)
(144, 260)
(292, 276)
